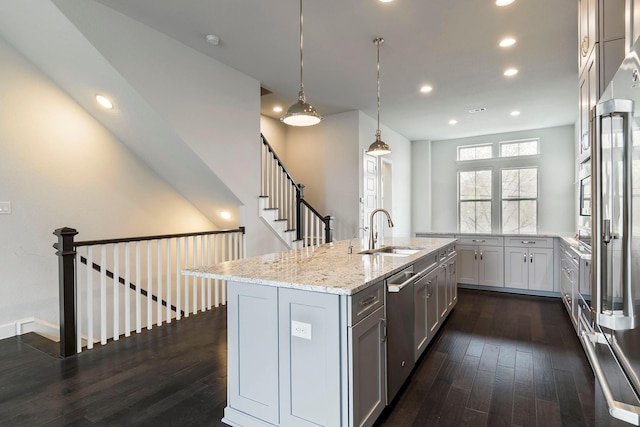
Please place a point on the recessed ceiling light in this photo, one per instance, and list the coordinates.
(386, 1)
(478, 110)
(509, 41)
(510, 72)
(426, 89)
(104, 101)
(453, 121)
(277, 109)
(225, 214)
(503, 2)
(515, 113)
(213, 39)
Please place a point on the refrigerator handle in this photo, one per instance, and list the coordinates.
(624, 318)
(620, 410)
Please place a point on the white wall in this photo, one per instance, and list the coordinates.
(421, 189)
(556, 179)
(60, 167)
(275, 133)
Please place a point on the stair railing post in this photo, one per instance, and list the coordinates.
(65, 250)
(299, 222)
(328, 228)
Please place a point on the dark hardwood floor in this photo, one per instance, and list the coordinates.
(500, 359)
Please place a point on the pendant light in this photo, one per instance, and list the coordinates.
(378, 147)
(301, 113)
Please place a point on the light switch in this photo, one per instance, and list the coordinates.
(5, 208)
(300, 330)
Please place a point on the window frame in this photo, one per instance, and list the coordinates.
(475, 146)
(490, 199)
(518, 141)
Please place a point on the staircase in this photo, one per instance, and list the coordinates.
(284, 209)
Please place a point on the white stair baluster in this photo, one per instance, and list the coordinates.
(159, 282)
(116, 292)
(168, 281)
(127, 289)
(103, 294)
(178, 280)
(138, 294)
(90, 297)
(149, 287)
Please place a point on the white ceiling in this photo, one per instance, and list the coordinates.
(449, 44)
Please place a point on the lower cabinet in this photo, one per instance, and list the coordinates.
(368, 368)
(529, 264)
(480, 265)
(302, 358)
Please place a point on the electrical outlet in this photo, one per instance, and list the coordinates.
(300, 330)
(5, 208)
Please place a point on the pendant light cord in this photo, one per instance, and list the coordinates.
(378, 41)
(301, 95)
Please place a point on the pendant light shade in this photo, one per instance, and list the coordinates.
(378, 147)
(301, 113)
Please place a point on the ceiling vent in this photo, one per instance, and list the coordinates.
(478, 110)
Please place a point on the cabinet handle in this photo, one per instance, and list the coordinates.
(528, 242)
(475, 254)
(525, 257)
(383, 324)
(479, 240)
(368, 301)
(481, 255)
(531, 258)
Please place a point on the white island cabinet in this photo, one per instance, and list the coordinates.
(307, 334)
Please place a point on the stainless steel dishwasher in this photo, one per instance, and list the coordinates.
(400, 324)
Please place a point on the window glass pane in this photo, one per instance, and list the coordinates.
(528, 216)
(467, 185)
(510, 184)
(528, 183)
(467, 217)
(483, 184)
(475, 152)
(483, 217)
(510, 216)
(519, 148)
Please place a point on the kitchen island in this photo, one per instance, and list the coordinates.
(307, 329)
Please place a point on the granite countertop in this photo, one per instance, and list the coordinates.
(328, 268)
(456, 233)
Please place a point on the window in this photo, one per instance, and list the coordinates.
(519, 189)
(525, 147)
(475, 201)
(475, 152)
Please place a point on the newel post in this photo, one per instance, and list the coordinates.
(299, 213)
(328, 228)
(66, 253)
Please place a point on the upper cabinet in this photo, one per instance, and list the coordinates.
(601, 50)
(632, 21)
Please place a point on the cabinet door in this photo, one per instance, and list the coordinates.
(585, 281)
(443, 292)
(587, 30)
(467, 264)
(309, 358)
(367, 370)
(491, 266)
(433, 315)
(516, 268)
(541, 269)
(453, 284)
(420, 317)
(253, 327)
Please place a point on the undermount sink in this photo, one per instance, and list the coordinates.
(392, 251)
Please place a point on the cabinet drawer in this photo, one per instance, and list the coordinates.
(481, 240)
(526, 241)
(365, 302)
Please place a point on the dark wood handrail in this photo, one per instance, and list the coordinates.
(132, 285)
(158, 237)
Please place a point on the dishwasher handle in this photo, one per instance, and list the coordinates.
(397, 287)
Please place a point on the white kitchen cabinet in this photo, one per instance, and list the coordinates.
(632, 21)
(452, 283)
(368, 369)
(426, 309)
(569, 277)
(529, 263)
(587, 29)
(480, 264)
(589, 92)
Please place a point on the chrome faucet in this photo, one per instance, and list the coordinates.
(373, 238)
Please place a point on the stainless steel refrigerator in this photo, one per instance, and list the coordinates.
(610, 330)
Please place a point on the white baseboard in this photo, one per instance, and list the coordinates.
(30, 324)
